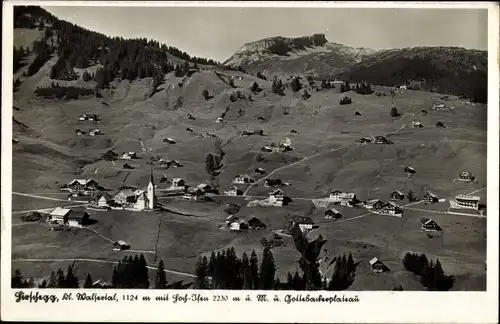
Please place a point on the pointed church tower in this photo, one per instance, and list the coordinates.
(151, 192)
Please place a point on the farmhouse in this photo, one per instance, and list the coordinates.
(178, 184)
(104, 200)
(81, 185)
(409, 171)
(377, 266)
(304, 223)
(259, 171)
(266, 149)
(129, 156)
(168, 140)
(59, 215)
(293, 131)
(344, 198)
(466, 202)
(374, 204)
(124, 197)
(276, 198)
(92, 117)
(440, 124)
(430, 198)
(466, 176)
(438, 106)
(204, 187)
(396, 194)
(69, 217)
(255, 223)
(269, 183)
(191, 117)
(82, 117)
(363, 141)
(231, 218)
(79, 132)
(219, 120)
(189, 130)
(95, 132)
(243, 179)
(195, 194)
(382, 140)
(233, 191)
(122, 245)
(332, 213)
(391, 208)
(77, 218)
(417, 124)
(245, 133)
(238, 225)
(427, 224)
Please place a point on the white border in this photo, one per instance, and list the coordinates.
(384, 307)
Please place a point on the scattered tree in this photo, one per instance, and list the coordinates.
(88, 281)
(161, 277)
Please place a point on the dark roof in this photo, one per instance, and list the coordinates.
(303, 220)
(77, 214)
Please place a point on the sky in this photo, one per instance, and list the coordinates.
(218, 32)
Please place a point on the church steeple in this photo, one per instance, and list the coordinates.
(151, 178)
(151, 192)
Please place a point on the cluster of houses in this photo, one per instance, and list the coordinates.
(68, 217)
(88, 117)
(378, 140)
(234, 223)
(206, 135)
(93, 132)
(284, 146)
(164, 164)
(347, 199)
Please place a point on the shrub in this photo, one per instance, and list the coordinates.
(277, 86)
(295, 85)
(394, 112)
(306, 95)
(231, 83)
(345, 100)
(261, 76)
(31, 217)
(255, 88)
(205, 94)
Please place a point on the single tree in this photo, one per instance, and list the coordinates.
(88, 281)
(267, 270)
(254, 270)
(161, 277)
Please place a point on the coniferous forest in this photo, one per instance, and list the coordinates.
(77, 47)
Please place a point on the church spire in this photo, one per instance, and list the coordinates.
(151, 178)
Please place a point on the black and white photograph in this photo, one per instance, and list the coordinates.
(295, 149)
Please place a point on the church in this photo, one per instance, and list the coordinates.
(137, 199)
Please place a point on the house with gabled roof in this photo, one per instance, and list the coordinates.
(305, 223)
(59, 214)
(243, 179)
(238, 225)
(255, 223)
(276, 197)
(428, 224)
(233, 191)
(79, 132)
(397, 195)
(332, 213)
(466, 176)
(378, 266)
(430, 198)
(374, 204)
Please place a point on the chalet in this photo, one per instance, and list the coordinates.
(211, 135)
(409, 171)
(424, 112)
(304, 223)
(417, 124)
(79, 132)
(122, 245)
(357, 113)
(124, 197)
(168, 140)
(104, 200)
(391, 208)
(129, 156)
(440, 125)
(466, 176)
(258, 132)
(344, 198)
(397, 195)
(243, 179)
(363, 140)
(95, 132)
(293, 131)
(266, 149)
(189, 130)
(430, 198)
(377, 266)
(260, 118)
(231, 218)
(382, 140)
(259, 171)
(255, 223)
(270, 183)
(439, 106)
(191, 117)
(174, 164)
(332, 213)
(233, 191)
(195, 194)
(238, 225)
(82, 117)
(428, 224)
(92, 117)
(77, 218)
(204, 187)
(245, 133)
(178, 184)
(81, 185)
(465, 202)
(276, 198)
(59, 215)
(374, 204)
(219, 120)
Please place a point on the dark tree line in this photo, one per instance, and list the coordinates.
(225, 270)
(430, 273)
(363, 88)
(131, 273)
(57, 280)
(63, 92)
